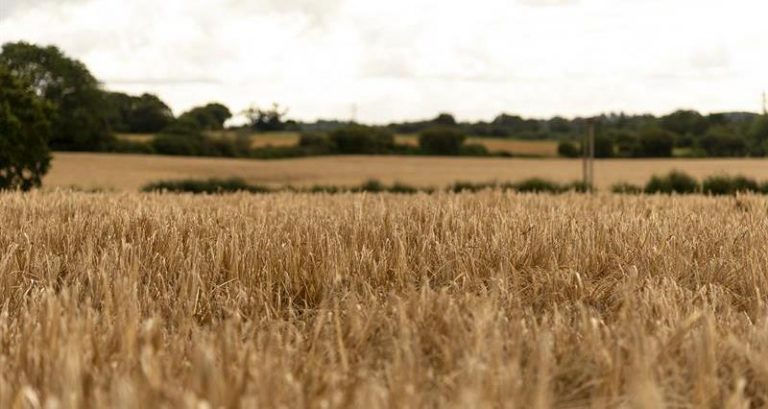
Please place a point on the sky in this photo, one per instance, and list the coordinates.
(395, 60)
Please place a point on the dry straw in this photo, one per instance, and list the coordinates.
(357, 300)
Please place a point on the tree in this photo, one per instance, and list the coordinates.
(559, 125)
(655, 143)
(515, 124)
(209, 117)
(143, 114)
(119, 107)
(758, 135)
(721, 141)
(24, 133)
(266, 120)
(441, 141)
(568, 149)
(149, 114)
(627, 143)
(444, 119)
(78, 120)
(603, 146)
(683, 122)
(359, 139)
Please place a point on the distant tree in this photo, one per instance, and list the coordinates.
(627, 142)
(119, 106)
(143, 114)
(758, 135)
(604, 146)
(315, 142)
(685, 122)
(568, 149)
(209, 117)
(24, 133)
(444, 119)
(515, 124)
(184, 125)
(192, 144)
(219, 112)
(655, 143)
(717, 119)
(441, 141)
(722, 141)
(509, 121)
(359, 139)
(266, 120)
(149, 114)
(559, 125)
(78, 120)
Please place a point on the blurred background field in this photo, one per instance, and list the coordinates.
(517, 147)
(131, 172)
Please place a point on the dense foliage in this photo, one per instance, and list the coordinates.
(24, 133)
(441, 141)
(209, 117)
(137, 114)
(78, 120)
(673, 182)
(360, 139)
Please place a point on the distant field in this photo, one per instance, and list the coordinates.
(130, 172)
(519, 147)
(135, 137)
(515, 146)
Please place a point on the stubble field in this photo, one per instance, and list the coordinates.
(539, 148)
(356, 300)
(131, 172)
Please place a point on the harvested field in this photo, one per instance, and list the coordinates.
(513, 146)
(260, 140)
(130, 172)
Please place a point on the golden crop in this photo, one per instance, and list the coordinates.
(355, 300)
(131, 172)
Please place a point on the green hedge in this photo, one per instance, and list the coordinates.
(674, 182)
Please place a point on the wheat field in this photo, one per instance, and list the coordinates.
(356, 300)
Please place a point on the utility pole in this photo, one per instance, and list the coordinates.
(765, 104)
(588, 155)
(591, 185)
(354, 113)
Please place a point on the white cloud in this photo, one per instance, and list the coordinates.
(413, 58)
(548, 2)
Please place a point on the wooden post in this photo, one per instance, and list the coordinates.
(588, 155)
(591, 184)
(584, 155)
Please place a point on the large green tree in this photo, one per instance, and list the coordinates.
(685, 122)
(758, 135)
(266, 120)
(210, 117)
(655, 143)
(441, 141)
(143, 114)
(24, 132)
(79, 120)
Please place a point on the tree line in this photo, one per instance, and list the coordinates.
(49, 100)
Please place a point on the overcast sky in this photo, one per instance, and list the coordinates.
(410, 59)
